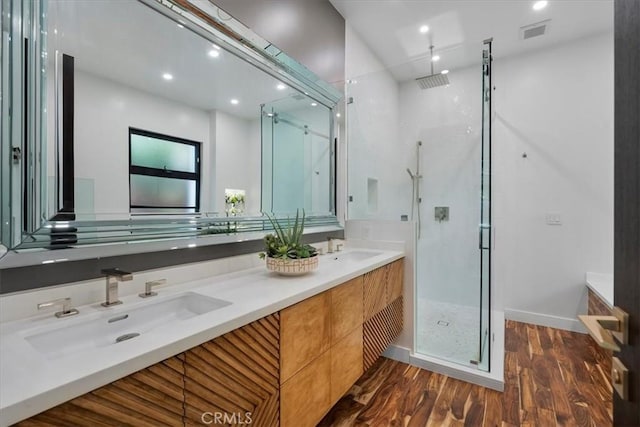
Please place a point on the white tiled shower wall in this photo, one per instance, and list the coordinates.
(555, 106)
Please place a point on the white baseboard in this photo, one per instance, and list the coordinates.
(566, 323)
(396, 352)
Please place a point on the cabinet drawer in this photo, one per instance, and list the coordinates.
(306, 397)
(346, 363)
(305, 333)
(375, 293)
(346, 308)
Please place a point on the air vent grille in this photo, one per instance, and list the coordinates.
(534, 30)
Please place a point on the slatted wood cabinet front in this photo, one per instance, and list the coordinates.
(286, 369)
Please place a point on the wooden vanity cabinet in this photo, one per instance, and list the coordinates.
(319, 337)
(383, 305)
(237, 374)
(365, 317)
(234, 374)
(286, 369)
(148, 398)
(305, 333)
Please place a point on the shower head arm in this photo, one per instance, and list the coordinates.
(431, 58)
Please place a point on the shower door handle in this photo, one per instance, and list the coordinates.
(481, 228)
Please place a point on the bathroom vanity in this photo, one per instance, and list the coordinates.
(278, 351)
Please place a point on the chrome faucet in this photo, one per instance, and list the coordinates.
(65, 303)
(329, 245)
(114, 276)
(330, 248)
(148, 286)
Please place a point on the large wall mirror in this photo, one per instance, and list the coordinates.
(146, 120)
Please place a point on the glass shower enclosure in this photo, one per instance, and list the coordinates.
(297, 157)
(420, 150)
(454, 248)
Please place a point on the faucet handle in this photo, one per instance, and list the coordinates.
(149, 285)
(65, 303)
(339, 247)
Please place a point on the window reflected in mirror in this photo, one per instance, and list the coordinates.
(164, 173)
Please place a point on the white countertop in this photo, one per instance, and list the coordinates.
(601, 285)
(31, 383)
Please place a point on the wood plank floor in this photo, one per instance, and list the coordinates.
(552, 378)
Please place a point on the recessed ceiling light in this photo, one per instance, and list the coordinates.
(215, 46)
(167, 76)
(281, 86)
(424, 29)
(214, 53)
(314, 104)
(235, 101)
(192, 245)
(444, 72)
(180, 26)
(435, 58)
(539, 5)
(337, 114)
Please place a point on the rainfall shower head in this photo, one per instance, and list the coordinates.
(433, 79)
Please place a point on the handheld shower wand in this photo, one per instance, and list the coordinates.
(415, 187)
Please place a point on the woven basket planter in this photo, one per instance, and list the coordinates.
(292, 267)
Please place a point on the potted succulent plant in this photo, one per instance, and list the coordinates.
(284, 252)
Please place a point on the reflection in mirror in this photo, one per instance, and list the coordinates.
(139, 110)
(157, 131)
(297, 144)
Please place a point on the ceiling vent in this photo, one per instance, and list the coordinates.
(534, 30)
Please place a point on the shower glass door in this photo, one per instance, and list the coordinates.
(296, 159)
(453, 248)
(484, 243)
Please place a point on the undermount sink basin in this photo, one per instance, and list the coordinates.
(353, 256)
(121, 325)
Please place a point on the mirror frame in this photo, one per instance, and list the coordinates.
(28, 224)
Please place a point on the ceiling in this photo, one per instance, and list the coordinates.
(129, 43)
(457, 28)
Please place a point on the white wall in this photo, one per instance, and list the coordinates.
(557, 107)
(374, 148)
(238, 159)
